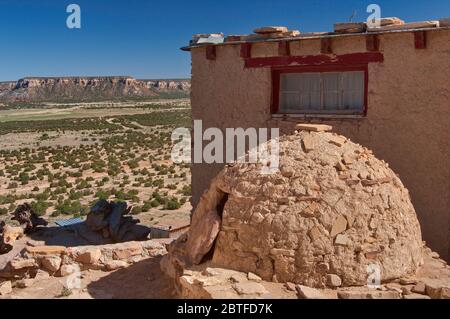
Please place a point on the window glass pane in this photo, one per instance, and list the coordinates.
(331, 92)
(353, 90)
(289, 101)
(326, 92)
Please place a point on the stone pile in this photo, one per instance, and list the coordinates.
(207, 281)
(331, 211)
(37, 261)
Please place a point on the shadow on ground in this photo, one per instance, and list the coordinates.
(142, 280)
(68, 236)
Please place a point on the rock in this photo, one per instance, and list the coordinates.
(127, 250)
(249, 288)
(434, 255)
(416, 296)
(341, 167)
(90, 256)
(339, 226)
(17, 264)
(305, 292)
(445, 293)
(411, 25)
(348, 158)
(406, 290)
(282, 252)
(420, 288)
(394, 287)
(333, 281)
(313, 127)
(408, 281)
(290, 286)
(436, 289)
(202, 236)
(45, 250)
(51, 263)
(270, 29)
(41, 274)
(10, 234)
(368, 294)
(341, 240)
(67, 270)
(350, 27)
(389, 21)
(5, 288)
(24, 283)
(337, 140)
(115, 264)
(253, 277)
(323, 268)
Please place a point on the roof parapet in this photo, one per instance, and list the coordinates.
(277, 33)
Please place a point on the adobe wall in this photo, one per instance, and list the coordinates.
(407, 125)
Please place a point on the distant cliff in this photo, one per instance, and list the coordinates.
(90, 88)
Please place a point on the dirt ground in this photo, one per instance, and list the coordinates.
(142, 280)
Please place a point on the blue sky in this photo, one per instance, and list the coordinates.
(142, 38)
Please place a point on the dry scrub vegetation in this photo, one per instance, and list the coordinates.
(62, 166)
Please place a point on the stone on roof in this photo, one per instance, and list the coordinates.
(270, 29)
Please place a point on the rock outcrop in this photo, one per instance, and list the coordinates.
(332, 210)
(89, 88)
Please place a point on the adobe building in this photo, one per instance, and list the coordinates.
(386, 88)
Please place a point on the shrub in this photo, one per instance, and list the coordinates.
(172, 204)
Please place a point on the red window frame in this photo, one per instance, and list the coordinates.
(278, 71)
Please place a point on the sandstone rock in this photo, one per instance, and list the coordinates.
(67, 270)
(337, 140)
(394, 287)
(350, 27)
(368, 294)
(339, 226)
(290, 286)
(202, 235)
(115, 264)
(17, 264)
(341, 240)
(253, 277)
(333, 281)
(305, 292)
(5, 288)
(419, 288)
(250, 288)
(323, 268)
(416, 296)
(408, 281)
(341, 167)
(127, 250)
(51, 263)
(390, 21)
(41, 274)
(314, 127)
(89, 256)
(45, 250)
(410, 25)
(10, 234)
(270, 29)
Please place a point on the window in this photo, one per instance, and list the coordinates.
(328, 92)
